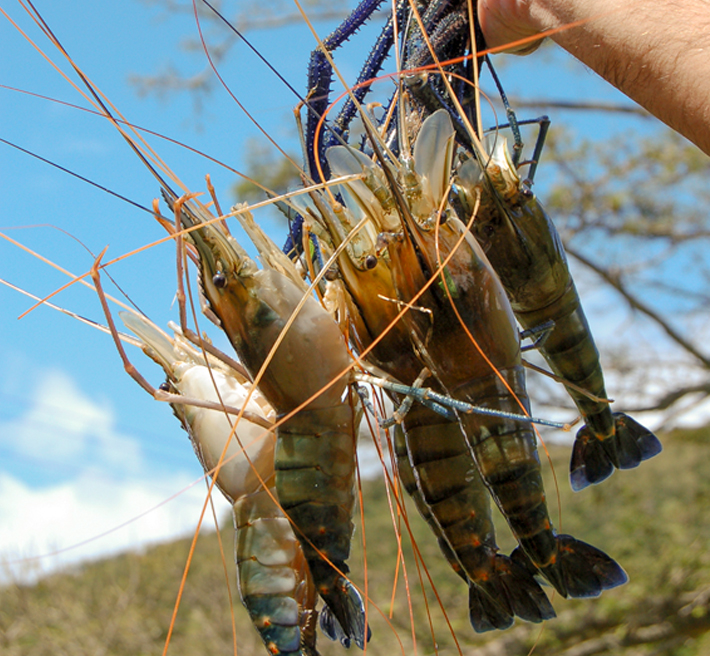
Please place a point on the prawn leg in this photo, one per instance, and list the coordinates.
(444, 405)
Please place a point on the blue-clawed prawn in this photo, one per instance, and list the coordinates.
(468, 301)
(275, 583)
(526, 252)
(305, 363)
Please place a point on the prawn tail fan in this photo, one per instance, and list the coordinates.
(512, 591)
(578, 569)
(343, 617)
(486, 613)
(594, 459)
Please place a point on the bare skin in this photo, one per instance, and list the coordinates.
(657, 53)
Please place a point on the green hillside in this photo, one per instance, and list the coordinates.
(655, 521)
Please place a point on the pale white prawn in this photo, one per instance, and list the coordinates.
(275, 584)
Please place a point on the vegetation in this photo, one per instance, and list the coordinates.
(653, 520)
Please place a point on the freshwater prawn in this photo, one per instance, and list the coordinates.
(526, 252)
(275, 584)
(469, 300)
(275, 329)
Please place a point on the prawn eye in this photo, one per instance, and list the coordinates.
(370, 262)
(164, 387)
(219, 280)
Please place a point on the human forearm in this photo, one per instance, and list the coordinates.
(658, 53)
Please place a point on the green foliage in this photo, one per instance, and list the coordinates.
(646, 187)
(653, 520)
(272, 171)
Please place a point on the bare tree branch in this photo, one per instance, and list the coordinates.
(673, 397)
(615, 281)
(542, 103)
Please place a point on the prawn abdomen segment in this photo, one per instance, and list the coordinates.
(607, 440)
(272, 573)
(314, 462)
(315, 470)
(569, 348)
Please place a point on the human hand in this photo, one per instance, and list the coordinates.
(507, 22)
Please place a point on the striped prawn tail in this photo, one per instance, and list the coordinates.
(314, 462)
(452, 498)
(485, 611)
(272, 575)
(576, 569)
(594, 456)
(347, 604)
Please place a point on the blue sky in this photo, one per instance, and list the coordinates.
(82, 448)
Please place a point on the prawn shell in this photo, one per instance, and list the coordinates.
(250, 453)
(272, 574)
(527, 253)
(315, 478)
(254, 311)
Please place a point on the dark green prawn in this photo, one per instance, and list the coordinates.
(526, 252)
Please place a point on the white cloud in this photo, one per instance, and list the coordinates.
(63, 424)
(44, 528)
(93, 481)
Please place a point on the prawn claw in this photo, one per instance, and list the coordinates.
(594, 460)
